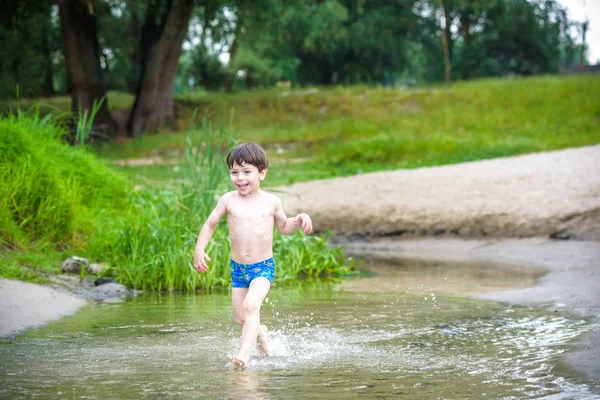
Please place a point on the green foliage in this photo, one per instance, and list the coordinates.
(299, 255)
(519, 37)
(30, 40)
(53, 196)
(303, 41)
(50, 192)
(85, 120)
(206, 68)
(495, 38)
(156, 239)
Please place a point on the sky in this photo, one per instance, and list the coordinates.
(579, 11)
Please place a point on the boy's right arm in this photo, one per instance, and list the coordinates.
(200, 257)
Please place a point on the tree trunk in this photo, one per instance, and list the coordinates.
(160, 50)
(584, 28)
(82, 55)
(134, 56)
(465, 21)
(448, 11)
(48, 86)
(232, 52)
(249, 80)
(444, 29)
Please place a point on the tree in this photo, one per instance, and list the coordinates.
(519, 37)
(119, 36)
(29, 38)
(352, 40)
(584, 28)
(165, 27)
(209, 26)
(82, 56)
(445, 30)
(455, 20)
(251, 33)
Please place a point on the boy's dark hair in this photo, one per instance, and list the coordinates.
(248, 153)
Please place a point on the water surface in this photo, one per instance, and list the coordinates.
(346, 341)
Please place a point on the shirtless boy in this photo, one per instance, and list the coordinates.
(251, 215)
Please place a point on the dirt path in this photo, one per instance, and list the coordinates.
(555, 193)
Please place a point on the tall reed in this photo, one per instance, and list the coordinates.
(63, 198)
(154, 249)
(85, 121)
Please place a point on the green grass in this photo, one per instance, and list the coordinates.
(58, 200)
(50, 191)
(324, 132)
(32, 265)
(59, 105)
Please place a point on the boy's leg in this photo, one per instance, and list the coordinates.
(259, 288)
(237, 302)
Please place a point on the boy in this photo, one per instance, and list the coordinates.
(251, 216)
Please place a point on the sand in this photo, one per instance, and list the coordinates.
(25, 305)
(524, 196)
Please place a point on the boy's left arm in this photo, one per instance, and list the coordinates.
(287, 226)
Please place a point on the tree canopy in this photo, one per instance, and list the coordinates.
(154, 48)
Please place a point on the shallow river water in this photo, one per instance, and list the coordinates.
(405, 330)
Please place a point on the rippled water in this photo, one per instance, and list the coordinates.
(327, 342)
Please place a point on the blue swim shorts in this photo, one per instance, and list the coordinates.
(243, 274)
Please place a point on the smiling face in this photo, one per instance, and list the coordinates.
(246, 178)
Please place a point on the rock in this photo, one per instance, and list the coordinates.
(109, 290)
(94, 269)
(73, 265)
(103, 281)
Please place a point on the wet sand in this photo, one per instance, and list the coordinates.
(25, 305)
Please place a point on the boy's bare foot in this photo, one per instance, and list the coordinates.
(238, 362)
(262, 342)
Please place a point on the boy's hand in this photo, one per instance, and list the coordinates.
(305, 221)
(200, 259)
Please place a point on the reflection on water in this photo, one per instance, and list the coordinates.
(327, 342)
(248, 384)
(399, 274)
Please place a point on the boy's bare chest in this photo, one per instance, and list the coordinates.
(254, 212)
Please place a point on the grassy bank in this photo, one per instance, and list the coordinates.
(324, 132)
(58, 200)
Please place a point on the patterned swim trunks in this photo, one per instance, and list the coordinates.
(243, 274)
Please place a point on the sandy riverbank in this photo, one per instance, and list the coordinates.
(554, 193)
(25, 305)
